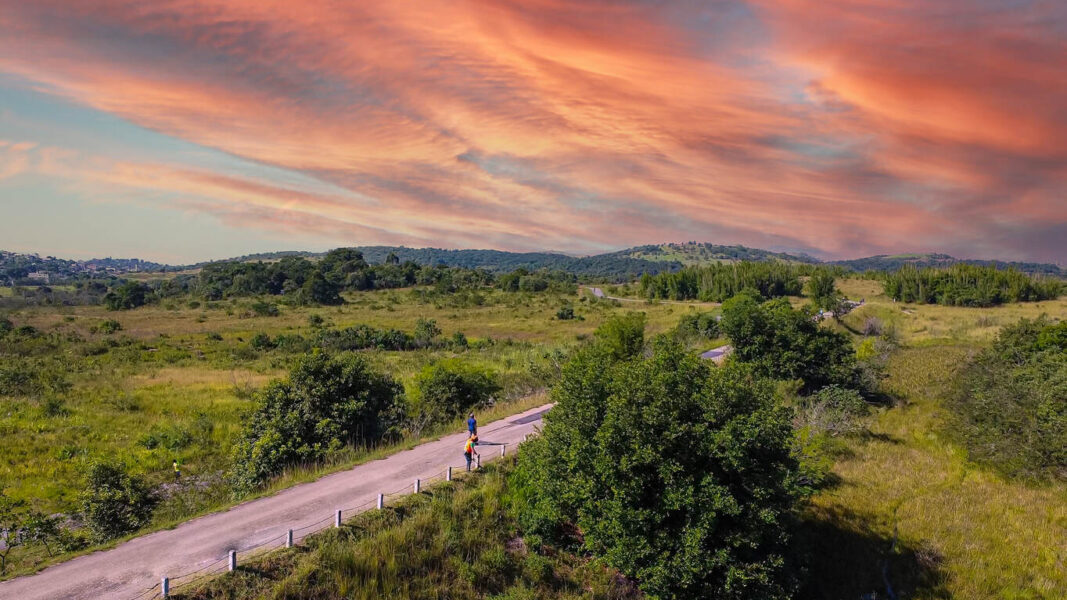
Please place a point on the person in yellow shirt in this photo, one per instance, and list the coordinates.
(468, 450)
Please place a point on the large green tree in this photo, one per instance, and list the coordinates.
(781, 342)
(676, 473)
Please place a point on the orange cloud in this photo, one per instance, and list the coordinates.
(841, 127)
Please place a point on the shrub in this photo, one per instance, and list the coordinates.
(698, 325)
(108, 327)
(6, 327)
(114, 502)
(327, 403)
(426, 331)
(451, 387)
(264, 309)
(1010, 402)
(130, 294)
(679, 475)
(459, 341)
(833, 410)
(566, 313)
(261, 341)
(622, 336)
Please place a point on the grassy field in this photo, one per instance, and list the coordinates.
(906, 504)
(176, 379)
(457, 540)
(906, 498)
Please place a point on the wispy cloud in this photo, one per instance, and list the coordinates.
(845, 127)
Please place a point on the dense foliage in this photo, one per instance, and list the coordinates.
(614, 266)
(698, 326)
(679, 475)
(1011, 400)
(967, 285)
(890, 263)
(784, 343)
(451, 387)
(717, 282)
(327, 403)
(698, 252)
(823, 292)
(114, 502)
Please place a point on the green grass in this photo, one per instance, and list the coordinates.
(456, 540)
(962, 531)
(168, 378)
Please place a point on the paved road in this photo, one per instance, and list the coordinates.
(125, 571)
(717, 355)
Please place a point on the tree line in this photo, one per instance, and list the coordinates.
(720, 281)
(301, 281)
(968, 285)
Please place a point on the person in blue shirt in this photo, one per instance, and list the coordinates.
(472, 424)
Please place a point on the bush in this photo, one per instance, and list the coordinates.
(264, 309)
(6, 327)
(622, 336)
(108, 327)
(327, 403)
(833, 410)
(451, 387)
(130, 294)
(679, 475)
(261, 341)
(459, 341)
(566, 313)
(1010, 402)
(426, 331)
(783, 343)
(698, 325)
(114, 502)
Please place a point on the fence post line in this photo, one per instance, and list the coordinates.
(448, 474)
(289, 539)
(478, 463)
(503, 450)
(418, 486)
(164, 587)
(233, 559)
(381, 501)
(337, 518)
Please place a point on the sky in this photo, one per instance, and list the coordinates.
(186, 130)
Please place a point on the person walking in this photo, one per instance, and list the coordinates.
(472, 424)
(468, 450)
(177, 471)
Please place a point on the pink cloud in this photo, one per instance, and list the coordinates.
(843, 127)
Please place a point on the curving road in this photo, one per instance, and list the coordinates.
(131, 568)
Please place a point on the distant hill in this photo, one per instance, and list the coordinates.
(886, 262)
(696, 253)
(33, 269)
(614, 265)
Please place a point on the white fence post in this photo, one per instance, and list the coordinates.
(289, 539)
(448, 474)
(233, 560)
(525, 437)
(381, 501)
(164, 587)
(337, 518)
(418, 486)
(503, 450)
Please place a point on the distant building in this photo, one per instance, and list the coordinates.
(38, 276)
